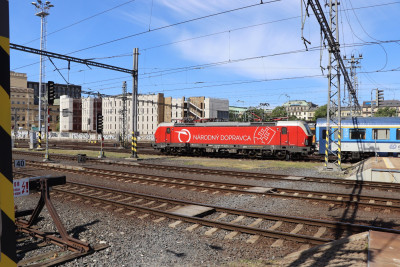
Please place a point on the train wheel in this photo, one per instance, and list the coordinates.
(295, 156)
(280, 155)
(252, 154)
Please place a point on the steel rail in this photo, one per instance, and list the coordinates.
(346, 199)
(209, 223)
(267, 216)
(224, 225)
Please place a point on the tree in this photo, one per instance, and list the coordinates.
(279, 112)
(320, 112)
(385, 112)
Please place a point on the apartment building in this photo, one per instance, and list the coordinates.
(197, 108)
(150, 114)
(153, 109)
(90, 108)
(71, 90)
(370, 107)
(70, 114)
(301, 109)
(23, 111)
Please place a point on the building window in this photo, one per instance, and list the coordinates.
(357, 134)
(381, 134)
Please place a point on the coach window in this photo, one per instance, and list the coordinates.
(168, 130)
(284, 130)
(357, 134)
(381, 134)
(397, 134)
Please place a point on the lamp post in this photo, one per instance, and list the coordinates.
(42, 9)
(287, 107)
(372, 110)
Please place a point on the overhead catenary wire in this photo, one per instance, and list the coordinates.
(82, 20)
(173, 25)
(221, 32)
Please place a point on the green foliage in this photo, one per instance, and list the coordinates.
(320, 112)
(385, 112)
(279, 112)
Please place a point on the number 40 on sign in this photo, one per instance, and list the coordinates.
(19, 163)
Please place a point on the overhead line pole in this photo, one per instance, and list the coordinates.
(336, 64)
(334, 46)
(134, 111)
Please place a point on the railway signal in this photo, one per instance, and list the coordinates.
(379, 97)
(99, 123)
(50, 92)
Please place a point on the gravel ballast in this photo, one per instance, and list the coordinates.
(143, 242)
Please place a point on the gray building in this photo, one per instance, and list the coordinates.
(71, 90)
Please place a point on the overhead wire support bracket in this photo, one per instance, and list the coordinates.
(68, 58)
(333, 46)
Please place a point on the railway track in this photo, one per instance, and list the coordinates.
(204, 186)
(278, 227)
(145, 148)
(356, 185)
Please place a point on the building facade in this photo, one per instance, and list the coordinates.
(70, 114)
(90, 108)
(150, 114)
(23, 111)
(71, 90)
(369, 108)
(301, 109)
(198, 108)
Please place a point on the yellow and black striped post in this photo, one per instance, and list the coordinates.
(134, 145)
(339, 153)
(327, 148)
(40, 138)
(7, 222)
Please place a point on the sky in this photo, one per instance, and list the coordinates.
(241, 50)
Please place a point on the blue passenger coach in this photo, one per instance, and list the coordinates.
(361, 137)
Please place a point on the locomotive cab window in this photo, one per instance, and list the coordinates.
(284, 130)
(168, 130)
(397, 134)
(381, 134)
(357, 134)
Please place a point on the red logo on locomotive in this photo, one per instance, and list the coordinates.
(264, 135)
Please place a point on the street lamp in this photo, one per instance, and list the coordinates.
(287, 107)
(42, 10)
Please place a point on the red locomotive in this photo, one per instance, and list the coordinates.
(282, 139)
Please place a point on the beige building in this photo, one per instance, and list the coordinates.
(301, 109)
(366, 107)
(197, 108)
(152, 110)
(23, 112)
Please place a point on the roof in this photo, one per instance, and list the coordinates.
(364, 121)
(232, 124)
(384, 103)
